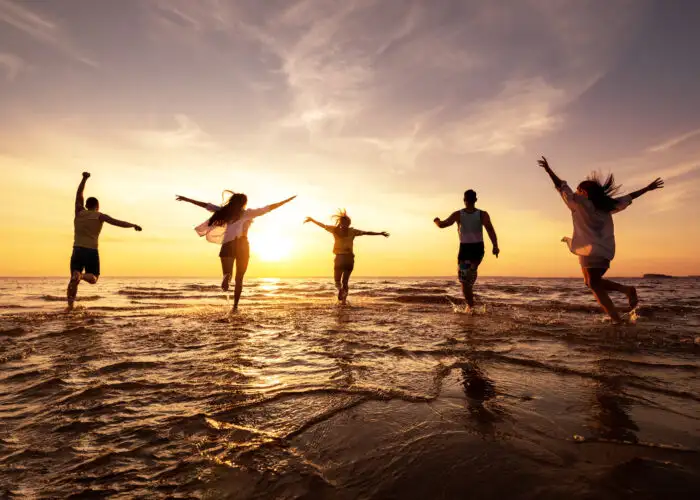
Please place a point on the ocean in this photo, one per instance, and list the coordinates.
(151, 389)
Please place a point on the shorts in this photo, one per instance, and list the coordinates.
(471, 252)
(85, 259)
(344, 262)
(239, 251)
(589, 262)
(466, 273)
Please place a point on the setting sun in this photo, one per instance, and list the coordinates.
(270, 247)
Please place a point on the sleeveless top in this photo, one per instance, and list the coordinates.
(87, 226)
(343, 244)
(470, 227)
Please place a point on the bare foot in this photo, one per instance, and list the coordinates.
(225, 282)
(632, 297)
(68, 308)
(616, 320)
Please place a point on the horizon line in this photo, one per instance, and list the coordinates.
(356, 277)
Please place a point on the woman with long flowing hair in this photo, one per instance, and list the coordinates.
(228, 226)
(344, 236)
(592, 207)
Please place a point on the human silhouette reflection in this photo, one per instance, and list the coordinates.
(611, 411)
(481, 398)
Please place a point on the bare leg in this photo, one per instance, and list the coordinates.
(90, 278)
(227, 269)
(594, 280)
(467, 282)
(346, 284)
(242, 259)
(337, 276)
(237, 291)
(468, 292)
(630, 291)
(72, 291)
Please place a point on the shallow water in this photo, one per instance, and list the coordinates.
(150, 388)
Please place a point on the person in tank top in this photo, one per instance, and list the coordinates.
(87, 226)
(344, 237)
(470, 225)
(592, 207)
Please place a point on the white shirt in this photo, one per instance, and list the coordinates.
(232, 230)
(594, 231)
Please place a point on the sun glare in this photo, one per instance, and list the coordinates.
(270, 247)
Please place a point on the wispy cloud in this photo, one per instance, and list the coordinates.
(185, 134)
(12, 65)
(42, 29)
(675, 141)
(522, 110)
(366, 71)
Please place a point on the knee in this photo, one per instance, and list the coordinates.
(90, 278)
(591, 282)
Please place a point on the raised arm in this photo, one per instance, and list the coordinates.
(256, 212)
(454, 217)
(319, 224)
(79, 200)
(371, 233)
(558, 183)
(657, 184)
(488, 225)
(194, 202)
(119, 223)
(279, 204)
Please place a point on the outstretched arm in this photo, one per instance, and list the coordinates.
(256, 212)
(194, 202)
(372, 233)
(545, 165)
(283, 202)
(454, 217)
(657, 184)
(79, 200)
(119, 223)
(319, 224)
(488, 225)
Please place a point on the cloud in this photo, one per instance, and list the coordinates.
(186, 134)
(673, 142)
(522, 110)
(12, 64)
(393, 82)
(42, 29)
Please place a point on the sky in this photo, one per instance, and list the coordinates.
(388, 108)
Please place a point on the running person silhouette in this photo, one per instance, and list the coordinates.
(229, 226)
(592, 207)
(470, 224)
(344, 236)
(87, 226)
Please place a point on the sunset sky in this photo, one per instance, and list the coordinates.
(388, 108)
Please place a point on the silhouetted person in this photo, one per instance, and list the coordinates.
(592, 207)
(87, 227)
(344, 236)
(470, 224)
(228, 226)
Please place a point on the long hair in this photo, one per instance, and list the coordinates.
(601, 193)
(341, 217)
(230, 211)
